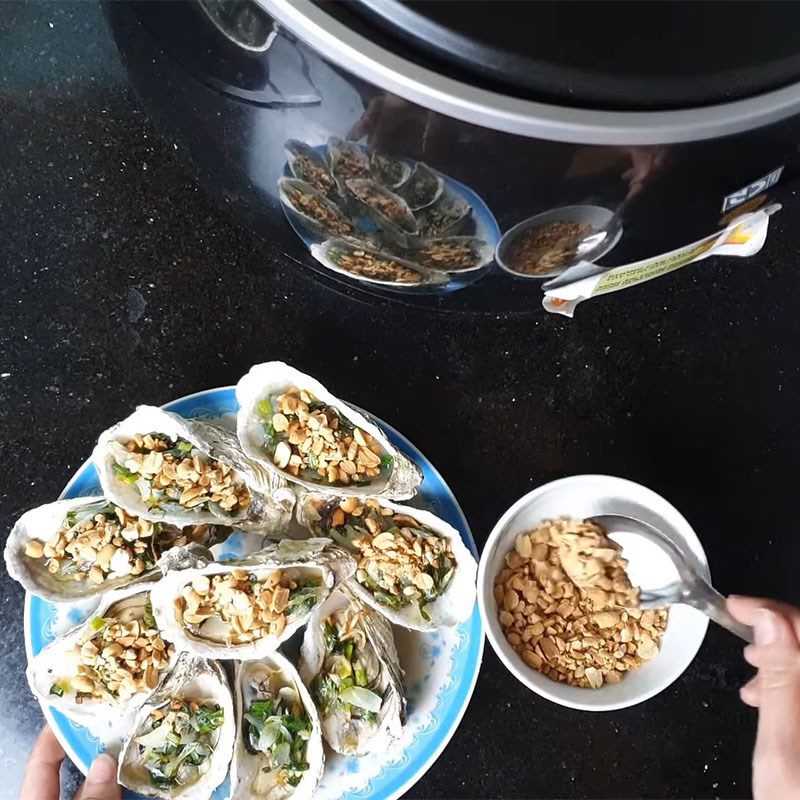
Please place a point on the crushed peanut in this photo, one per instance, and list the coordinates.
(446, 255)
(348, 162)
(567, 607)
(312, 440)
(537, 251)
(317, 209)
(117, 660)
(381, 200)
(314, 173)
(100, 542)
(379, 268)
(176, 472)
(400, 561)
(251, 607)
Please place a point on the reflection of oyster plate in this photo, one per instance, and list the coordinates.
(391, 172)
(458, 212)
(310, 165)
(440, 667)
(328, 252)
(423, 187)
(450, 215)
(305, 218)
(481, 254)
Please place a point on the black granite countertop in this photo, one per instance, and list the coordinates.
(122, 283)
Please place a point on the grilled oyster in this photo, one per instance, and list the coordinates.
(412, 566)
(391, 172)
(278, 751)
(182, 739)
(347, 159)
(292, 425)
(165, 468)
(349, 660)
(374, 266)
(312, 210)
(387, 210)
(448, 216)
(109, 664)
(244, 609)
(423, 188)
(455, 254)
(309, 165)
(73, 549)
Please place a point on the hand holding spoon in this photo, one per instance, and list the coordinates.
(691, 588)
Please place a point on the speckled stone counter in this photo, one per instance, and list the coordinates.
(123, 283)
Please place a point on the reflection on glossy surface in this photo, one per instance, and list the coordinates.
(235, 109)
(388, 241)
(550, 243)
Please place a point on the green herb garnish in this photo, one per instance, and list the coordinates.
(124, 474)
(208, 719)
(147, 616)
(264, 408)
(262, 708)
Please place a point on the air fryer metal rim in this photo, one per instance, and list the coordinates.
(390, 72)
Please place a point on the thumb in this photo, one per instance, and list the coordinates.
(101, 782)
(778, 681)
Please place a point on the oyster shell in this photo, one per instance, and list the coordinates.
(431, 586)
(312, 210)
(387, 210)
(349, 648)
(423, 187)
(68, 676)
(391, 172)
(374, 266)
(262, 500)
(448, 216)
(266, 690)
(244, 609)
(347, 159)
(453, 254)
(28, 547)
(309, 165)
(194, 706)
(259, 394)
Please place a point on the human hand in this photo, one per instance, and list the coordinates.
(775, 692)
(393, 126)
(42, 782)
(645, 162)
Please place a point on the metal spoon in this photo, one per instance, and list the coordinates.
(692, 589)
(593, 245)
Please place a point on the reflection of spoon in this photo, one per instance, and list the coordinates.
(591, 246)
(691, 588)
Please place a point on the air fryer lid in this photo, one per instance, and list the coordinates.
(614, 56)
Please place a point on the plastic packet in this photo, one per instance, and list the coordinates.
(744, 236)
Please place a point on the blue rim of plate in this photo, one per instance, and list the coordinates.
(394, 779)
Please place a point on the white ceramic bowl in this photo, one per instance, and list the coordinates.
(584, 496)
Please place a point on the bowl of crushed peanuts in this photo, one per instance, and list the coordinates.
(559, 606)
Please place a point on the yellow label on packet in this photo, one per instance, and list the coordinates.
(744, 236)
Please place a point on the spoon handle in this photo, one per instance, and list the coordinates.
(712, 604)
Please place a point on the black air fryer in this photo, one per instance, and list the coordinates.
(390, 146)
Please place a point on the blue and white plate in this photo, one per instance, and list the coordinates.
(440, 667)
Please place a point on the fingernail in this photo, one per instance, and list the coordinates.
(103, 770)
(766, 627)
